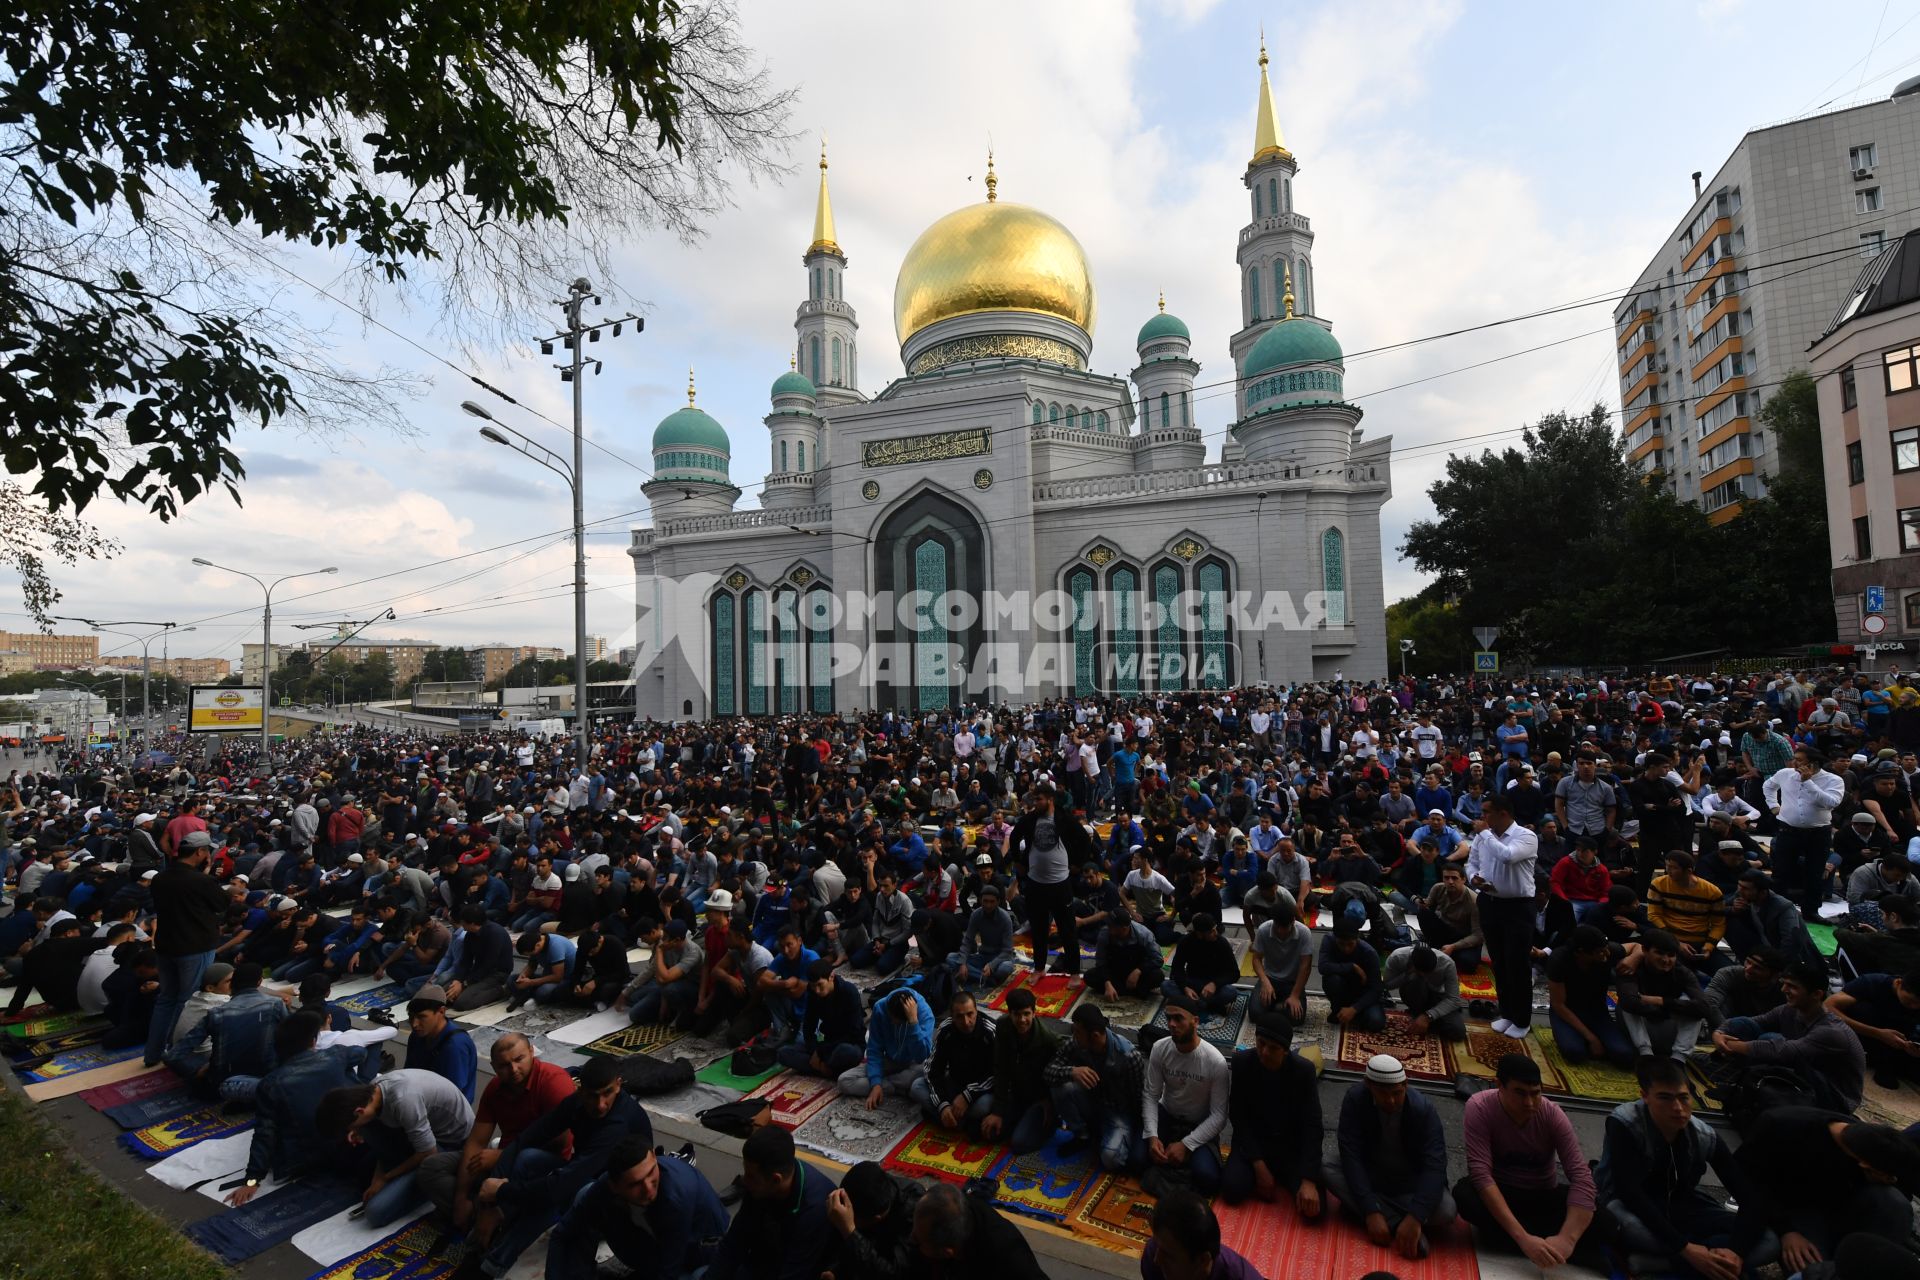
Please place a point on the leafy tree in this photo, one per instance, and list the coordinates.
(1442, 637)
(159, 158)
(1777, 550)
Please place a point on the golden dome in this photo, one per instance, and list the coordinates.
(993, 256)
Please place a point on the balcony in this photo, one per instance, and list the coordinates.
(1720, 515)
(1725, 432)
(1727, 347)
(1721, 226)
(1647, 381)
(1720, 475)
(1641, 415)
(1642, 350)
(1724, 267)
(1275, 222)
(1706, 404)
(1650, 445)
(1634, 325)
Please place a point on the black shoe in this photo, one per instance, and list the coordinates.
(687, 1153)
(1074, 1145)
(383, 1016)
(1887, 1079)
(514, 1003)
(733, 1193)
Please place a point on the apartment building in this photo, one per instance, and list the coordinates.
(250, 663)
(1751, 277)
(186, 670)
(53, 651)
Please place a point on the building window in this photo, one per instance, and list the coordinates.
(931, 677)
(1862, 539)
(814, 345)
(1305, 286)
(1871, 243)
(1286, 192)
(1333, 575)
(724, 648)
(1170, 655)
(803, 455)
(1216, 661)
(836, 362)
(1125, 585)
(1039, 413)
(783, 455)
(1053, 413)
(1165, 412)
(1862, 157)
(819, 620)
(1080, 587)
(1903, 369)
(1253, 295)
(1849, 391)
(1866, 200)
(1273, 198)
(1906, 449)
(786, 651)
(1256, 200)
(1186, 408)
(756, 653)
(1857, 463)
(1910, 528)
(1913, 610)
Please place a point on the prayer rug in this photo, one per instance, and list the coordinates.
(1896, 1108)
(1822, 935)
(1044, 1184)
(142, 1112)
(1274, 1239)
(630, 1040)
(720, 1073)
(1450, 1256)
(1477, 984)
(40, 1009)
(365, 1002)
(1597, 1079)
(796, 1098)
(26, 1053)
(265, 1221)
(1480, 1053)
(1424, 1057)
(933, 1152)
(1222, 1031)
(846, 1131)
(84, 1081)
(541, 1019)
(1247, 961)
(1115, 1214)
(189, 1128)
(590, 1028)
(76, 1061)
(1126, 1012)
(401, 1256)
(151, 1082)
(49, 1023)
(1053, 995)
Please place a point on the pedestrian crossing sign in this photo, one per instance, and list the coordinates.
(1486, 661)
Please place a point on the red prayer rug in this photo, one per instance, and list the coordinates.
(1274, 1239)
(1053, 995)
(930, 1151)
(795, 1098)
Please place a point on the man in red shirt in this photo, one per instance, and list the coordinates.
(523, 1089)
(186, 822)
(344, 830)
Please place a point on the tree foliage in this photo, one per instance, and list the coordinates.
(158, 159)
(1556, 542)
(1442, 637)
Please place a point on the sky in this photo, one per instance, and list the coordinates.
(1461, 163)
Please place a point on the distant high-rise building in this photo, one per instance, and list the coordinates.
(186, 670)
(596, 648)
(53, 651)
(1750, 278)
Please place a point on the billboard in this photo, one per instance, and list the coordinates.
(224, 709)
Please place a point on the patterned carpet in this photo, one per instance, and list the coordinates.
(1424, 1057)
(846, 1131)
(933, 1152)
(796, 1098)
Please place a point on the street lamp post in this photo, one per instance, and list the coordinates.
(146, 672)
(266, 644)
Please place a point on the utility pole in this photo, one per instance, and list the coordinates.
(573, 337)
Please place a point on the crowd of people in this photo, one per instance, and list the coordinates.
(1651, 850)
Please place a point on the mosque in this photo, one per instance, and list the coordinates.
(1003, 525)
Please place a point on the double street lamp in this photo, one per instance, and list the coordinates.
(266, 645)
(146, 670)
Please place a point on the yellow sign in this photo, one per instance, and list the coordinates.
(224, 709)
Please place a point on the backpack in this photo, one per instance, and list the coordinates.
(645, 1077)
(1749, 1092)
(755, 1056)
(738, 1119)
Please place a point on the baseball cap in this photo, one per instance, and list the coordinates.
(144, 817)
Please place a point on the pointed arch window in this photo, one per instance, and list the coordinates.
(756, 608)
(813, 345)
(1166, 418)
(819, 618)
(1286, 194)
(725, 647)
(1333, 575)
(1080, 588)
(788, 675)
(783, 455)
(1273, 195)
(816, 283)
(1124, 583)
(1039, 412)
(836, 362)
(1256, 200)
(1306, 287)
(803, 455)
(930, 650)
(1253, 294)
(1186, 408)
(1280, 291)
(1169, 644)
(1053, 413)
(1215, 656)
(1103, 422)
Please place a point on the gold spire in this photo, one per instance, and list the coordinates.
(993, 183)
(690, 382)
(792, 363)
(1287, 302)
(823, 241)
(1163, 299)
(1266, 123)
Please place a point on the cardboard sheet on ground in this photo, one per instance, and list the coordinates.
(353, 987)
(342, 1236)
(217, 1158)
(589, 1028)
(487, 1015)
(66, 1086)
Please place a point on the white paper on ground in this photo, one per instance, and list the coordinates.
(486, 1015)
(354, 986)
(217, 1158)
(342, 1236)
(1834, 910)
(590, 1028)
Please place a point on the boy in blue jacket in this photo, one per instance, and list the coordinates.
(899, 1043)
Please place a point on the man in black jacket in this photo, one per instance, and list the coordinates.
(486, 960)
(833, 1030)
(781, 1231)
(1204, 968)
(190, 908)
(957, 1089)
(1819, 1177)
(531, 1186)
(1048, 844)
(1274, 1101)
(54, 966)
(963, 1236)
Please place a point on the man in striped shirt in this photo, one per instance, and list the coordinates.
(1691, 909)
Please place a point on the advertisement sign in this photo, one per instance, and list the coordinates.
(224, 709)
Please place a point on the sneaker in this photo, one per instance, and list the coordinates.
(1502, 1025)
(382, 1015)
(688, 1154)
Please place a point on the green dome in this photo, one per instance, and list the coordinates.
(691, 428)
(792, 383)
(1291, 342)
(1163, 325)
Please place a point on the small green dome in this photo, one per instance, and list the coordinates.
(1163, 325)
(691, 428)
(1291, 342)
(792, 383)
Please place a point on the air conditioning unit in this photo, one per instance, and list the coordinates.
(1858, 174)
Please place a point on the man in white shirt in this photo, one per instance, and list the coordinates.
(1803, 797)
(1184, 1108)
(1427, 738)
(1500, 866)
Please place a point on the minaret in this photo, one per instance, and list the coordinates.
(691, 454)
(1169, 432)
(1277, 243)
(794, 447)
(825, 323)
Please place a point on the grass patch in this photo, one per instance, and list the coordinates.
(58, 1219)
